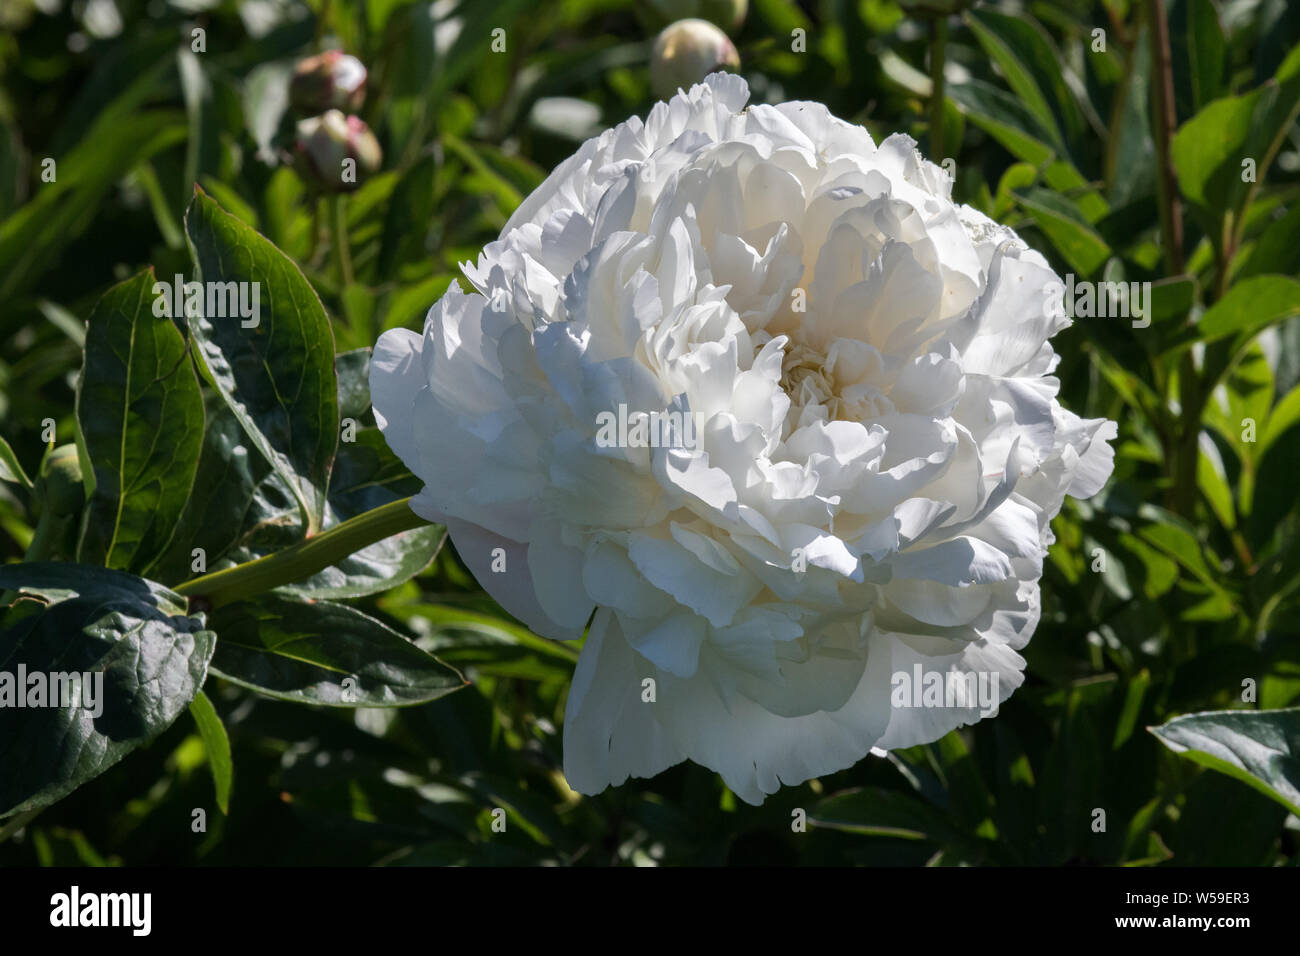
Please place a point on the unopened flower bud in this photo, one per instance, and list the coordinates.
(336, 152)
(329, 80)
(686, 52)
(59, 486)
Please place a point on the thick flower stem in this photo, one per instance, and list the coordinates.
(304, 559)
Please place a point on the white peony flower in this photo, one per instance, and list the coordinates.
(854, 455)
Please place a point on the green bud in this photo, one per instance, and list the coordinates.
(58, 486)
(686, 52)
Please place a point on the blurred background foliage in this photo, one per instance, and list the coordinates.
(1162, 596)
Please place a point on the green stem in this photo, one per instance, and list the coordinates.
(14, 824)
(313, 252)
(304, 559)
(338, 215)
(938, 43)
(43, 538)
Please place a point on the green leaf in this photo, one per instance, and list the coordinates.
(1277, 250)
(203, 149)
(76, 619)
(1249, 307)
(1176, 538)
(367, 470)
(1033, 69)
(1209, 150)
(1004, 118)
(970, 803)
(1077, 242)
(1212, 479)
(1130, 148)
(277, 375)
(1200, 838)
(266, 103)
(238, 509)
(323, 653)
(1072, 780)
(10, 469)
(1017, 176)
(217, 744)
(32, 239)
(417, 86)
(102, 135)
(876, 811)
(1172, 298)
(12, 162)
(1134, 693)
(367, 474)
(407, 306)
(1273, 514)
(353, 370)
(1284, 416)
(1245, 393)
(140, 413)
(1198, 52)
(1261, 748)
(407, 218)
(471, 640)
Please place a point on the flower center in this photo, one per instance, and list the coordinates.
(842, 383)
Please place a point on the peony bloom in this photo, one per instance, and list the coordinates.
(749, 393)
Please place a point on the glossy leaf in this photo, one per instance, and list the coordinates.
(1033, 70)
(1259, 748)
(34, 237)
(141, 418)
(1213, 151)
(1077, 242)
(1250, 307)
(275, 370)
(10, 468)
(323, 653)
(217, 744)
(1198, 50)
(875, 811)
(239, 506)
(80, 620)
(367, 474)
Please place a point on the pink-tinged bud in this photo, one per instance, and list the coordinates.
(336, 152)
(686, 52)
(329, 80)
